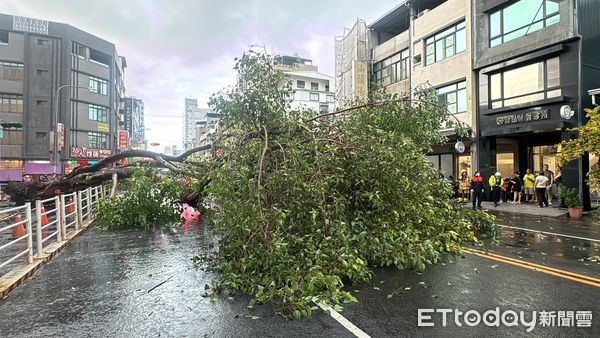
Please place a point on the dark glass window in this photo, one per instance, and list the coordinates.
(300, 84)
(532, 82)
(97, 140)
(314, 86)
(97, 113)
(11, 71)
(392, 69)
(98, 86)
(11, 103)
(454, 96)
(521, 18)
(12, 136)
(445, 44)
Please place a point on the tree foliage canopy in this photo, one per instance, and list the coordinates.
(309, 202)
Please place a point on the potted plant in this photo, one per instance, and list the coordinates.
(570, 197)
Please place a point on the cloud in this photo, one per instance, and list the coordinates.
(185, 48)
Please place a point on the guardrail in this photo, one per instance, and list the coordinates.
(55, 219)
(19, 234)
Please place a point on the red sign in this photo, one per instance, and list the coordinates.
(123, 139)
(83, 152)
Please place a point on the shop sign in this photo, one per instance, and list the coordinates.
(83, 152)
(103, 127)
(30, 25)
(60, 129)
(532, 116)
(123, 139)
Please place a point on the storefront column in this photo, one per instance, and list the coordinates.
(486, 149)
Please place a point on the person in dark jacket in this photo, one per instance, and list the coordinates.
(477, 189)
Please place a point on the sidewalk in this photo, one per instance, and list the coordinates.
(526, 209)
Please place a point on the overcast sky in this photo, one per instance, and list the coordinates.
(185, 48)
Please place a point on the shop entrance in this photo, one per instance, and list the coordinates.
(547, 154)
(505, 163)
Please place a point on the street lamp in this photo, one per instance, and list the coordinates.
(56, 99)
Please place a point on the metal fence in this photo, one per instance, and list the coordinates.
(55, 219)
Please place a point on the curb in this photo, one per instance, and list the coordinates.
(22, 273)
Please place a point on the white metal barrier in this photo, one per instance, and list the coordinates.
(17, 234)
(70, 216)
(66, 212)
(43, 216)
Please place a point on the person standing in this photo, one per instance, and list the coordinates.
(465, 186)
(496, 182)
(529, 183)
(477, 189)
(516, 186)
(550, 176)
(541, 184)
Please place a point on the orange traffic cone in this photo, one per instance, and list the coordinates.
(44, 221)
(71, 207)
(19, 230)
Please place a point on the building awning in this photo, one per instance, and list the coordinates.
(543, 127)
(11, 175)
(39, 168)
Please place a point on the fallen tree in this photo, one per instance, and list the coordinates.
(92, 175)
(310, 202)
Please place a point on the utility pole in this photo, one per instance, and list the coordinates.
(56, 159)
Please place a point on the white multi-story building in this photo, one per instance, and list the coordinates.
(312, 90)
(193, 114)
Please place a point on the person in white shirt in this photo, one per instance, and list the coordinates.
(541, 182)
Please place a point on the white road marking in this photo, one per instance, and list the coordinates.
(343, 321)
(551, 233)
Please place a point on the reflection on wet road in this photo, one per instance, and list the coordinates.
(143, 283)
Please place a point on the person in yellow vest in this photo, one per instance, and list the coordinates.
(465, 186)
(529, 182)
(496, 182)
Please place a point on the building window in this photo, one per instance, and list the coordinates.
(314, 86)
(536, 81)
(446, 44)
(97, 140)
(330, 98)
(40, 135)
(326, 87)
(99, 58)
(300, 84)
(314, 96)
(11, 71)
(11, 103)
(78, 50)
(97, 113)
(41, 72)
(323, 108)
(454, 96)
(98, 86)
(43, 42)
(12, 137)
(392, 69)
(3, 37)
(521, 18)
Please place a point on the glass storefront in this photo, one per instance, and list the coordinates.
(541, 155)
(464, 163)
(505, 163)
(443, 162)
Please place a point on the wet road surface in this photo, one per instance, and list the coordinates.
(108, 284)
